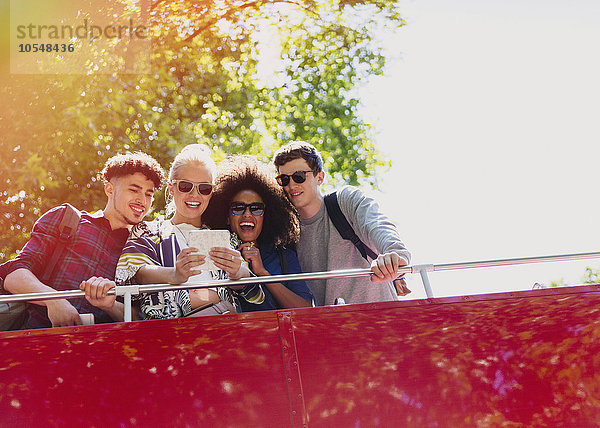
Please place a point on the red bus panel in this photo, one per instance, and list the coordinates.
(514, 359)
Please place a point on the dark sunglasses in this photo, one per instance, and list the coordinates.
(298, 177)
(185, 186)
(256, 208)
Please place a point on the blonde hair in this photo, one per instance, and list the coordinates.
(198, 153)
(192, 153)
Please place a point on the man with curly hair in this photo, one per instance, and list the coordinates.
(91, 254)
(321, 248)
(248, 201)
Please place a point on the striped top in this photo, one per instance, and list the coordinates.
(155, 243)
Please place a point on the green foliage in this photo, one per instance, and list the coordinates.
(57, 131)
(314, 105)
(591, 276)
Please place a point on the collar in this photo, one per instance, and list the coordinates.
(317, 216)
(98, 217)
(97, 214)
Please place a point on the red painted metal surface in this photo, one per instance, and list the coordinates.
(518, 359)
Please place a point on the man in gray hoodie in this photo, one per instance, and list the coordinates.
(321, 248)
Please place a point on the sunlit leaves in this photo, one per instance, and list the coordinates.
(57, 131)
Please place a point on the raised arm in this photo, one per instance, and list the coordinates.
(187, 261)
(377, 231)
(284, 296)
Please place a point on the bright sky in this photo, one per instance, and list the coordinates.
(490, 113)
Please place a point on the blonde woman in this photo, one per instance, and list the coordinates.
(157, 251)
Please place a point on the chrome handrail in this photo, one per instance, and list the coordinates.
(128, 291)
(150, 288)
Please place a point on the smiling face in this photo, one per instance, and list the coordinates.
(247, 226)
(190, 206)
(129, 199)
(305, 196)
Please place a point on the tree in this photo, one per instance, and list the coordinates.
(57, 131)
(591, 276)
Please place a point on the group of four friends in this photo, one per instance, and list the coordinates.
(278, 224)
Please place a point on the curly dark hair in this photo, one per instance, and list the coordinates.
(281, 225)
(130, 163)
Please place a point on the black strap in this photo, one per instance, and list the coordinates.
(343, 227)
(345, 230)
(66, 230)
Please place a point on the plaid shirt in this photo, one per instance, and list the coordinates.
(93, 251)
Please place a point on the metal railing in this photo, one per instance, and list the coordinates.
(129, 290)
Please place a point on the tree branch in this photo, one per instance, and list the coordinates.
(231, 11)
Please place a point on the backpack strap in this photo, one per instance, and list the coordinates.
(345, 230)
(343, 227)
(66, 230)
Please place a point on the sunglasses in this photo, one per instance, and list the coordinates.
(185, 186)
(256, 208)
(298, 177)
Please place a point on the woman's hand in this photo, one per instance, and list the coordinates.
(252, 255)
(229, 260)
(187, 260)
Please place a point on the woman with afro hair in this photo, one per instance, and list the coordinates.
(248, 201)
